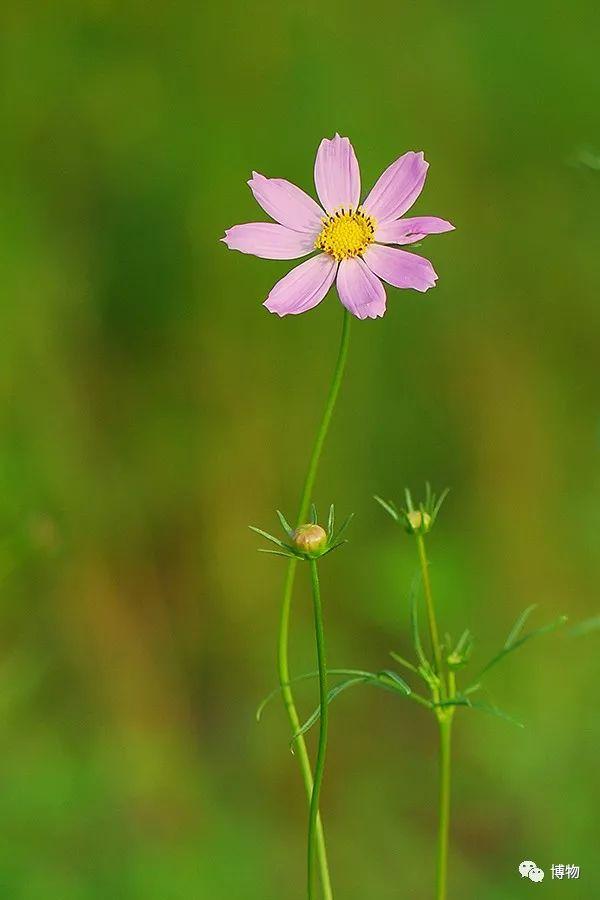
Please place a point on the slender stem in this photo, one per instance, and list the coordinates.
(445, 716)
(445, 723)
(284, 625)
(323, 725)
(452, 684)
(334, 388)
(433, 629)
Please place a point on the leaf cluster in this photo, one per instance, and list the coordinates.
(457, 656)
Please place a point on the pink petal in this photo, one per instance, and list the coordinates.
(269, 241)
(360, 290)
(287, 204)
(337, 176)
(400, 267)
(303, 287)
(407, 231)
(398, 188)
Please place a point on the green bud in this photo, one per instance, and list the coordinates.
(418, 521)
(310, 539)
(456, 661)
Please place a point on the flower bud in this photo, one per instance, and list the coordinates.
(418, 521)
(456, 661)
(310, 539)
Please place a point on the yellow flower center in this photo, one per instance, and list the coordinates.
(346, 234)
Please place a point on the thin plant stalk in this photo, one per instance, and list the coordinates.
(445, 716)
(288, 588)
(445, 762)
(323, 726)
(433, 629)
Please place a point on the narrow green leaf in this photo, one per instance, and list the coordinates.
(269, 537)
(314, 516)
(462, 641)
(278, 553)
(429, 676)
(331, 695)
(461, 654)
(285, 524)
(409, 501)
(355, 672)
(585, 627)
(404, 662)
(343, 528)
(265, 701)
(518, 626)
(359, 672)
(494, 711)
(358, 676)
(389, 507)
(545, 629)
(334, 547)
(331, 521)
(389, 673)
(397, 686)
(278, 689)
(428, 496)
(438, 505)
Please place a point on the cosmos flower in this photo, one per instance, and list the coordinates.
(352, 238)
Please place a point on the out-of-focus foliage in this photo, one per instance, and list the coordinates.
(150, 409)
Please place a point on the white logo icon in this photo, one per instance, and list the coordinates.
(528, 869)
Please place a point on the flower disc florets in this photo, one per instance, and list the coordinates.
(346, 234)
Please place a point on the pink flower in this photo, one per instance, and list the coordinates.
(353, 238)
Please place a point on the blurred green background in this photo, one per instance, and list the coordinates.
(150, 409)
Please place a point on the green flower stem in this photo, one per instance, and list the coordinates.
(445, 724)
(445, 716)
(451, 684)
(323, 726)
(288, 588)
(433, 629)
(334, 389)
